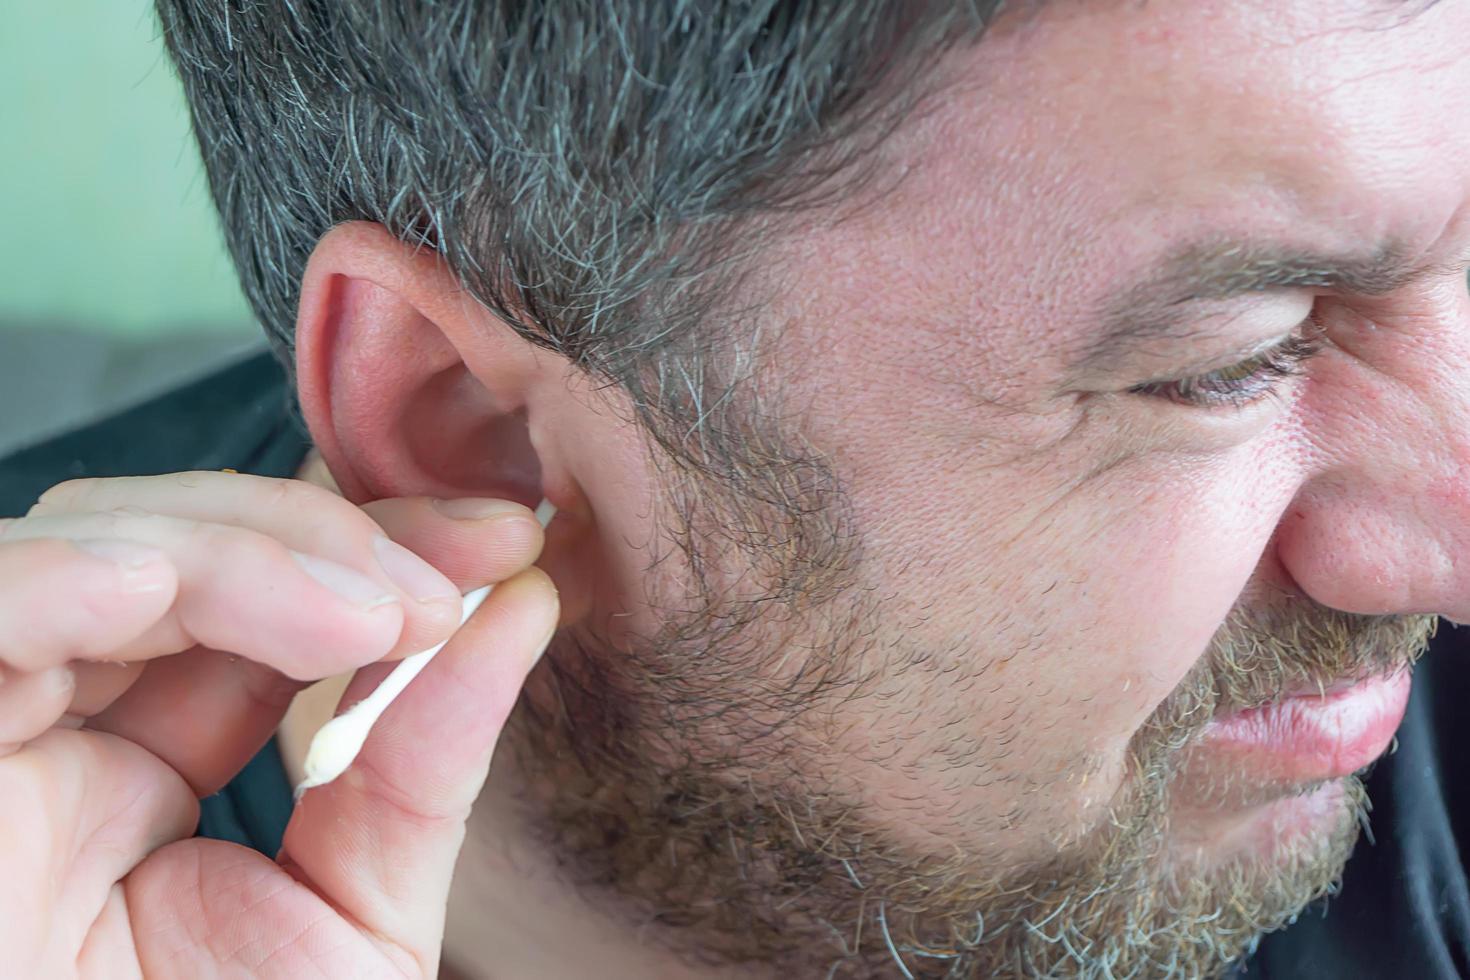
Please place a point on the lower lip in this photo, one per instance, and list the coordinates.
(1309, 737)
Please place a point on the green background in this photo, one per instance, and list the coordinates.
(105, 219)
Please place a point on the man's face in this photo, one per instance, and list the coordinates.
(1018, 730)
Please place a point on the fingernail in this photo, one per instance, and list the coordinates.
(125, 553)
(356, 588)
(60, 680)
(475, 508)
(412, 574)
(132, 558)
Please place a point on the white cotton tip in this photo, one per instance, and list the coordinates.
(337, 743)
(334, 747)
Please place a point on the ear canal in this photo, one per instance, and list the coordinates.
(468, 441)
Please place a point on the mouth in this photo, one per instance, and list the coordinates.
(1310, 736)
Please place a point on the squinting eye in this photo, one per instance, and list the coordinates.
(1243, 384)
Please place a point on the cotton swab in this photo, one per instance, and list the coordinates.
(339, 741)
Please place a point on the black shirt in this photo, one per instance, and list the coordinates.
(1404, 907)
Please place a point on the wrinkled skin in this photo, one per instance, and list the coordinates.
(155, 629)
(1042, 557)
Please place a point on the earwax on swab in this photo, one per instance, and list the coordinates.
(338, 742)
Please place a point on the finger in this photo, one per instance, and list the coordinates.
(111, 932)
(381, 841)
(208, 908)
(474, 541)
(205, 713)
(87, 808)
(99, 685)
(241, 591)
(272, 506)
(306, 518)
(207, 719)
(77, 599)
(30, 703)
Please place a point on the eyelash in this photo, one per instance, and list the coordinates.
(1245, 383)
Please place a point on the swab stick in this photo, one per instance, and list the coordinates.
(338, 742)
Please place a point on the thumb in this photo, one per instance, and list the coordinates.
(381, 841)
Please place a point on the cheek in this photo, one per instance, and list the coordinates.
(1030, 645)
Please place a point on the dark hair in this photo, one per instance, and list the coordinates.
(583, 165)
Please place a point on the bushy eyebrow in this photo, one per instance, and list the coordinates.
(1167, 302)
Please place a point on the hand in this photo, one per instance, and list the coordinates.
(153, 631)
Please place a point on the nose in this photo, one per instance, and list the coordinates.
(1381, 524)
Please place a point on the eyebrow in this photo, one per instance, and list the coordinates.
(1166, 303)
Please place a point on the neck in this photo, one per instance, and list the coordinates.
(512, 914)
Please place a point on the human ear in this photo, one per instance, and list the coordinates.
(410, 387)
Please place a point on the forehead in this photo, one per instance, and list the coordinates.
(1062, 152)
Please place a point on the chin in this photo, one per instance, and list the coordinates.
(1280, 831)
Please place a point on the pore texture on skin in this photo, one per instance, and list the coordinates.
(702, 784)
(967, 743)
(985, 422)
(927, 552)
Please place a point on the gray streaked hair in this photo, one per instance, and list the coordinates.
(583, 165)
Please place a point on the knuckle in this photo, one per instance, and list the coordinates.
(316, 507)
(281, 495)
(298, 493)
(190, 479)
(352, 517)
(325, 516)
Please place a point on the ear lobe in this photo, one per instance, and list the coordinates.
(406, 388)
